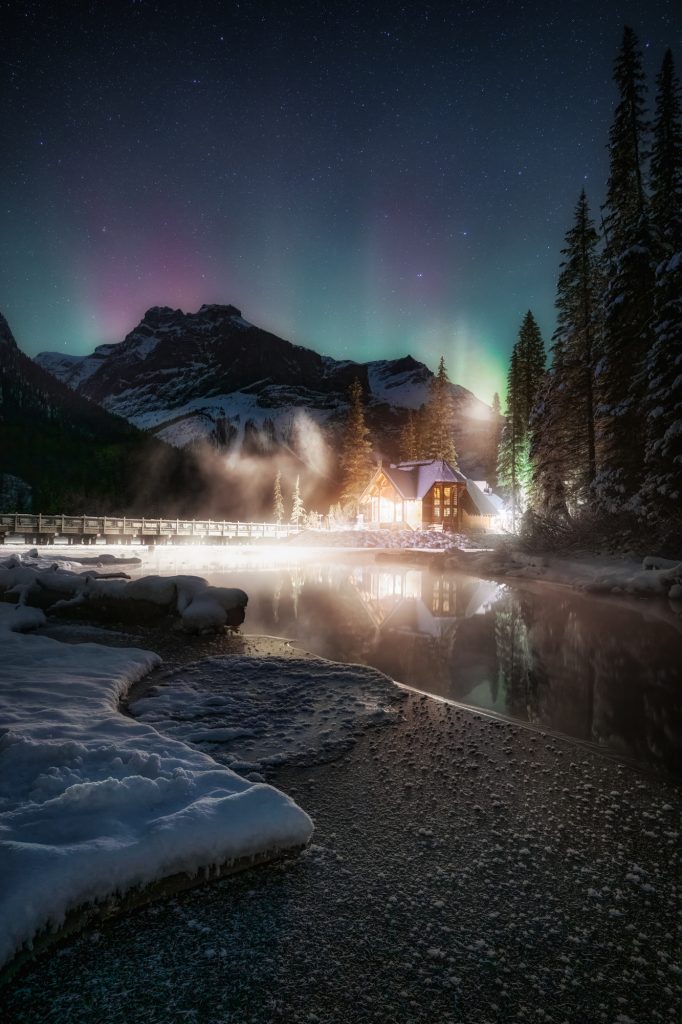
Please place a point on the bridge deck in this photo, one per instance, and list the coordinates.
(86, 529)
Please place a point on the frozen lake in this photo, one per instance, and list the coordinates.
(602, 671)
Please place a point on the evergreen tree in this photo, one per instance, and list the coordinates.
(297, 506)
(524, 382)
(278, 500)
(628, 309)
(495, 438)
(436, 436)
(662, 486)
(408, 439)
(550, 440)
(509, 469)
(563, 448)
(531, 367)
(356, 450)
(666, 158)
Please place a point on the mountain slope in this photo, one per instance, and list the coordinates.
(63, 453)
(212, 376)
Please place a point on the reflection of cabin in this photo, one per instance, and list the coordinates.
(424, 494)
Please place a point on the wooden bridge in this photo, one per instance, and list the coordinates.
(41, 529)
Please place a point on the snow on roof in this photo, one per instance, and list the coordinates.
(415, 479)
(485, 502)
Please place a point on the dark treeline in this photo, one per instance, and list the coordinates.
(592, 447)
(67, 454)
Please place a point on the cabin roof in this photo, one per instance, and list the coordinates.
(485, 502)
(415, 479)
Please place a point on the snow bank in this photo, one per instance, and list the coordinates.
(76, 559)
(57, 585)
(401, 539)
(92, 802)
(652, 577)
(258, 712)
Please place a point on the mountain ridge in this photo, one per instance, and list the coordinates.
(212, 376)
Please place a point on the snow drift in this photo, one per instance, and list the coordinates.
(64, 584)
(93, 803)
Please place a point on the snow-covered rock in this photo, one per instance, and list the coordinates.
(199, 606)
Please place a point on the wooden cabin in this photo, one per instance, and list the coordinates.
(482, 509)
(428, 494)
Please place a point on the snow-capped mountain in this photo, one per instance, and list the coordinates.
(213, 376)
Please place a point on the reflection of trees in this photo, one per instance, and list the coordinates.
(514, 660)
(636, 694)
(592, 669)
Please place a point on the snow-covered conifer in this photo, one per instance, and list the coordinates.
(563, 449)
(297, 506)
(436, 434)
(356, 449)
(662, 486)
(628, 303)
(278, 500)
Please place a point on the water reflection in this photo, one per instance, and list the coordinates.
(592, 669)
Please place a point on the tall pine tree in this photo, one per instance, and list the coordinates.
(531, 366)
(662, 488)
(409, 449)
(495, 438)
(628, 313)
(436, 434)
(524, 383)
(563, 450)
(356, 450)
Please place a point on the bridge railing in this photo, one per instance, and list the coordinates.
(112, 527)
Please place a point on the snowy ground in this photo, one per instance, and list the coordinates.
(32, 578)
(605, 574)
(93, 803)
(462, 871)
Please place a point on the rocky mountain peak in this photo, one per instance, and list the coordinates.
(211, 376)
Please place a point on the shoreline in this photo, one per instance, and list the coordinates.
(591, 572)
(454, 842)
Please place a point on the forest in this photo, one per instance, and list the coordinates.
(591, 448)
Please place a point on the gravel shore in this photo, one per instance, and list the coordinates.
(462, 869)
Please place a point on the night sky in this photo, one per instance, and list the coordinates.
(368, 180)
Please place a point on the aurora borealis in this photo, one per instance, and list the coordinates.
(365, 180)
